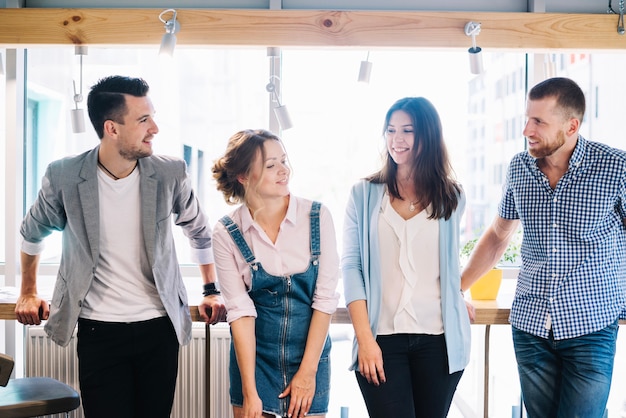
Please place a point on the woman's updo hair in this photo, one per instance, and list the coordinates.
(240, 153)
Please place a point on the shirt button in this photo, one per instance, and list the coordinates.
(554, 250)
(555, 225)
(554, 200)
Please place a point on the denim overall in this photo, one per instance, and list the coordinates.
(283, 305)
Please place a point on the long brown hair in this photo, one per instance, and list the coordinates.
(430, 168)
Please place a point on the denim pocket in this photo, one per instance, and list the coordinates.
(322, 386)
(264, 297)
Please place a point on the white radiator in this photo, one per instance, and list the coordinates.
(45, 358)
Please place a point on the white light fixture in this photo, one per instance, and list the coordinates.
(78, 115)
(280, 110)
(476, 60)
(365, 70)
(168, 42)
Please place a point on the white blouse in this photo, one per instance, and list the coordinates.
(409, 251)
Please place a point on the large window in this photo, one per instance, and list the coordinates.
(201, 97)
(337, 137)
(204, 95)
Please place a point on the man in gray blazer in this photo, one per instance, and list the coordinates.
(119, 277)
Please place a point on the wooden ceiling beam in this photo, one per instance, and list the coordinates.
(296, 28)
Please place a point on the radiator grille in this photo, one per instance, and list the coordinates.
(45, 358)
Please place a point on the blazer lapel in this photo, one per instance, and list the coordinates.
(148, 186)
(88, 194)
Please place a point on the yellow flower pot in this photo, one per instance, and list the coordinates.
(487, 287)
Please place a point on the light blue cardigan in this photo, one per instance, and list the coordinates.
(361, 269)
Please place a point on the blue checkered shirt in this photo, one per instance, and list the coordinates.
(572, 277)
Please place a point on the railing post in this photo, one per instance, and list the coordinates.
(207, 370)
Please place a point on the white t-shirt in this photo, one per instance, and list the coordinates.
(123, 288)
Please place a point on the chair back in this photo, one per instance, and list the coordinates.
(6, 368)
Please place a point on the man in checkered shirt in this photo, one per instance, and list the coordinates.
(570, 196)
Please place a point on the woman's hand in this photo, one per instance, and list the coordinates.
(471, 311)
(301, 389)
(371, 362)
(252, 407)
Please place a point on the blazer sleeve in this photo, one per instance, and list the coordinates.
(47, 214)
(191, 218)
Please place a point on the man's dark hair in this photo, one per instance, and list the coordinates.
(570, 99)
(106, 100)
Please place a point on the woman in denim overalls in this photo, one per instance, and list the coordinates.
(277, 264)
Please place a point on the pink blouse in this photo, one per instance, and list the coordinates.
(289, 255)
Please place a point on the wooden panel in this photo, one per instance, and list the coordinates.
(7, 311)
(291, 28)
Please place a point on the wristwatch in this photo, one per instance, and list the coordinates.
(209, 289)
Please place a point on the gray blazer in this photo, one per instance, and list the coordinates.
(68, 202)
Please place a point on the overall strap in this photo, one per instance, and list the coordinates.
(235, 234)
(315, 229)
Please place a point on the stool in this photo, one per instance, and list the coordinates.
(33, 396)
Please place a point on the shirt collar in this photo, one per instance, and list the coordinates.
(291, 216)
(579, 152)
(292, 211)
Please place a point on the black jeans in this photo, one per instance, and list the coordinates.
(418, 383)
(127, 370)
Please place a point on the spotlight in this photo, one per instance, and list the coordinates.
(77, 115)
(281, 112)
(78, 120)
(168, 42)
(476, 60)
(365, 70)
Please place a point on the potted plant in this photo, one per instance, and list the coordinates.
(487, 287)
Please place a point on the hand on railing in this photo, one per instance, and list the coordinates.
(212, 309)
(471, 311)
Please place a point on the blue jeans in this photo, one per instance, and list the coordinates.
(418, 382)
(568, 378)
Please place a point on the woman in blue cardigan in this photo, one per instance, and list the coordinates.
(401, 271)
